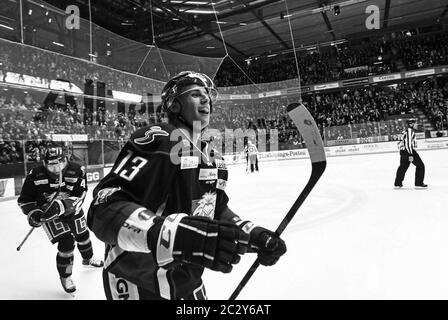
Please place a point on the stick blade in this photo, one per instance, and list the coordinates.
(308, 129)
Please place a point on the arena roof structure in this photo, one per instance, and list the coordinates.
(252, 27)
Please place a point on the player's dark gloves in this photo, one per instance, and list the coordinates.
(209, 243)
(65, 209)
(268, 245)
(34, 218)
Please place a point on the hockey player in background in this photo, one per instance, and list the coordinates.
(63, 219)
(408, 154)
(162, 210)
(252, 156)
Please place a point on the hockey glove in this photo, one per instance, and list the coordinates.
(34, 218)
(197, 240)
(269, 246)
(64, 209)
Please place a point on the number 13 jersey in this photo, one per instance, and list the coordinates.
(165, 177)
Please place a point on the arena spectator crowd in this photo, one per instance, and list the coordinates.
(27, 117)
(344, 61)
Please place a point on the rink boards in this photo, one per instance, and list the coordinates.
(10, 188)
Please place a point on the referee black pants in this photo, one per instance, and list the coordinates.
(404, 165)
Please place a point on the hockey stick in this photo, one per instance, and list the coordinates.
(51, 202)
(310, 133)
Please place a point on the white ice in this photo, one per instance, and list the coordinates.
(355, 237)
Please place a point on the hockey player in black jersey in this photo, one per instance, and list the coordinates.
(162, 210)
(52, 196)
(409, 155)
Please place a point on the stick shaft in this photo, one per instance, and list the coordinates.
(26, 237)
(308, 128)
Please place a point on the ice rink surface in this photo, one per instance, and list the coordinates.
(355, 237)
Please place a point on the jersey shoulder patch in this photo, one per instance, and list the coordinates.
(149, 134)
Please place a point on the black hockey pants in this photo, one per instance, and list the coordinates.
(404, 165)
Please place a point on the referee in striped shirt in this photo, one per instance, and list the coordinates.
(408, 155)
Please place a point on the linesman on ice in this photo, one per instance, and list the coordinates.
(409, 155)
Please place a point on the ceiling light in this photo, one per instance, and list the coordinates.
(198, 11)
(200, 3)
(6, 27)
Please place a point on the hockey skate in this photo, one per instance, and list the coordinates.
(421, 186)
(68, 285)
(92, 262)
(398, 186)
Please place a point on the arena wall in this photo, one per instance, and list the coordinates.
(10, 187)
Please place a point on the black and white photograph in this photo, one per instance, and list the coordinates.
(242, 151)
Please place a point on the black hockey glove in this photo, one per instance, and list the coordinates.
(35, 217)
(269, 246)
(65, 209)
(197, 240)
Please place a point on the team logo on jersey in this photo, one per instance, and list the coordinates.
(221, 164)
(205, 207)
(150, 135)
(61, 195)
(104, 194)
(189, 162)
(208, 174)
